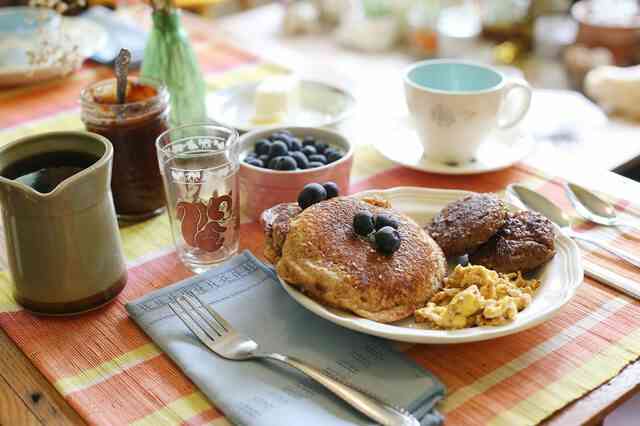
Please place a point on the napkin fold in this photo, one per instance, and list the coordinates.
(261, 393)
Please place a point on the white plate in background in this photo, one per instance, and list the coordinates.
(321, 105)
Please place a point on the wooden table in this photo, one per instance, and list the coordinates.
(26, 397)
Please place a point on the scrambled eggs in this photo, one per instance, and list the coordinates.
(474, 295)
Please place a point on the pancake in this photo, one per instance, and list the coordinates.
(276, 221)
(323, 257)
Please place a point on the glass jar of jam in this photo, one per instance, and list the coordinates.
(132, 128)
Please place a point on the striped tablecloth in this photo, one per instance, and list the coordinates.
(111, 373)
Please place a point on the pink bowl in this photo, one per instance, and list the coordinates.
(261, 189)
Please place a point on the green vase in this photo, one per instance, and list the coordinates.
(169, 57)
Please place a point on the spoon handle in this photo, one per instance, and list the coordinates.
(619, 253)
(122, 70)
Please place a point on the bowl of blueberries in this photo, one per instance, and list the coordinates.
(276, 162)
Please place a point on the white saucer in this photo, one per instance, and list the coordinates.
(321, 105)
(503, 149)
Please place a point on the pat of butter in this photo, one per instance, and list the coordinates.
(275, 98)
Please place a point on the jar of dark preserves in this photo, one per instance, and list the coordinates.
(132, 128)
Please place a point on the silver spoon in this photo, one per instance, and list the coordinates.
(534, 201)
(594, 209)
(122, 71)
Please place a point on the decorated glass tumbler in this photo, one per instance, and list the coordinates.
(199, 166)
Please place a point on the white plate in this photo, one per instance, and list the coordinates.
(321, 105)
(560, 279)
(503, 149)
(88, 36)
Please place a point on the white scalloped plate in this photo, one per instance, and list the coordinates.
(560, 279)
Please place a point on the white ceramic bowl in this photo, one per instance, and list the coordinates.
(261, 188)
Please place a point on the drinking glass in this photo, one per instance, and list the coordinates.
(199, 167)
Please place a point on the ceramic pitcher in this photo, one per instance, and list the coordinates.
(63, 244)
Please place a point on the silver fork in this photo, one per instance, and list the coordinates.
(219, 336)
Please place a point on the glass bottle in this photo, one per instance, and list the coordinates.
(422, 31)
(509, 23)
(169, 57)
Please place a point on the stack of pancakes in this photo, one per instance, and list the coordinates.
(318, 251)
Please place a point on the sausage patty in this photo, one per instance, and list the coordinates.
(463, 225)
(525, 242)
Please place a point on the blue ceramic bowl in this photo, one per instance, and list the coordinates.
(26, 21)
(23, 29)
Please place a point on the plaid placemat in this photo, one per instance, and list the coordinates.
(110, 372)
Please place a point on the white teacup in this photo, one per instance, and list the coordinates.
(456, 105)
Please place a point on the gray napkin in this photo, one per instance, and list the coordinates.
(261, 393)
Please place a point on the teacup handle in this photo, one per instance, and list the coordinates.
(513, 118)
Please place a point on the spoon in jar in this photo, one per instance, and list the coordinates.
(595, 209)
(537, 202)
(122, 72)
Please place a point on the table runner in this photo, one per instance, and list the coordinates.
(111, 373)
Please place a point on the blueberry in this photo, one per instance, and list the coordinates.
(308, 140)
(332, 189)
(318, 158)
(311, 194)
(274, 162)
(286, 141)
(250, 156)
(382, 220)
(263, 146)
(330, 151)
(314, 164)
(284, 138)
(309, 150)
(363, 223)
(278, 148)
(301, 160)
(254, 161)
(287, 163)
(264, 159)
(321, 147)
(332, 155)
(275, 136)
(296, 145)
(387, 240)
